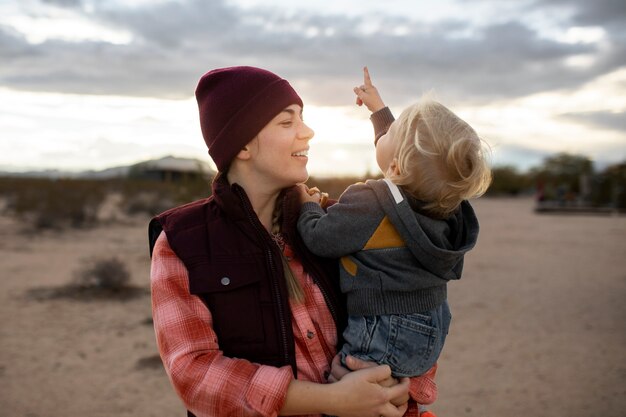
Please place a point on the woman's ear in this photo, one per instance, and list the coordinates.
(244, 154)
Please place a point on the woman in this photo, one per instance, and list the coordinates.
(246, 319)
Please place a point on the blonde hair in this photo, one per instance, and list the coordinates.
(440, 158)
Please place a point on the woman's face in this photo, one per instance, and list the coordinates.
(279, 153)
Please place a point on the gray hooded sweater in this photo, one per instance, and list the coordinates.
(394, 259)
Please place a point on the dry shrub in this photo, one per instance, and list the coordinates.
(105, 278)
(54, 204)
(146, 202)
(59, 203)
(107, 274)
(153, 197)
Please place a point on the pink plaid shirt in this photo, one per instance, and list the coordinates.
(211, 384)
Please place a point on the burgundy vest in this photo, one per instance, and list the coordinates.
(236, 269)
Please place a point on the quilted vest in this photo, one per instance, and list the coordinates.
(236, 269)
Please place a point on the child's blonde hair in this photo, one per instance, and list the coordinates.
(441, 160)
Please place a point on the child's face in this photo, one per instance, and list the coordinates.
(385, 149)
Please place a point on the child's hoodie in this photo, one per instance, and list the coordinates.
(394, 258)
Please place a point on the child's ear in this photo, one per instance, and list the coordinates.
(393, 167)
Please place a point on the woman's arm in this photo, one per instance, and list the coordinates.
(358, 394)
(207, 382)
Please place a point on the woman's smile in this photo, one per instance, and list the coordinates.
(301, 155)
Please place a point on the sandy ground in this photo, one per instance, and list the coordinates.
(538, 325)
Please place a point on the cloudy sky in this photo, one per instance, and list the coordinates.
(89, 84)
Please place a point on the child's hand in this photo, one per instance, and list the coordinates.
(313, 195)
(368, 94)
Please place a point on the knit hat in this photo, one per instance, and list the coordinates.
(235, 103)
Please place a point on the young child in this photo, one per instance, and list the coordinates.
(403, 237)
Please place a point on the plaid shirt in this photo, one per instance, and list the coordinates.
(211, 384)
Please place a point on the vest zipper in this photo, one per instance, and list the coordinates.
(270, 259)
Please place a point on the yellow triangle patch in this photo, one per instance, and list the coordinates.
(385, 236)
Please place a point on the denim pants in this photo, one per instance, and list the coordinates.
(409, 343)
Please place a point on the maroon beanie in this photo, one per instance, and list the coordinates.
(235, 103)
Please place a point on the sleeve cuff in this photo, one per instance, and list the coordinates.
(270, 390)
(381, 120)
(311, 206)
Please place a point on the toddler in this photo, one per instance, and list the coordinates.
(400, 239)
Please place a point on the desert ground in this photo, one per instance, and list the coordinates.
(538, 322)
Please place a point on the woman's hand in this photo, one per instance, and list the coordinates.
(367, 94)
(362, 393)
(357, 394)
(338, 371)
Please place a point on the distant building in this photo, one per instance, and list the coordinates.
(172, 169)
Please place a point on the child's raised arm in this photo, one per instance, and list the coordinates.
(367, 94)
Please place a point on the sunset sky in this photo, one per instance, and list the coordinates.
(90, 84)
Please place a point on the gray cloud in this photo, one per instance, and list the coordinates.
(601, 119)
(64, 3)
(174, 43)
(589, 13)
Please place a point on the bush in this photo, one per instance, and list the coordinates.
(508, 181)
(54, 204)
(153, 197)
(609, 187)
(59, 203)
(563, 172)
(109, 274)
(98, 279)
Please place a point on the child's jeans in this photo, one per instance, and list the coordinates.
(409, 343)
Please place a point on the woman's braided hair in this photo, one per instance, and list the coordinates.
(296, 293)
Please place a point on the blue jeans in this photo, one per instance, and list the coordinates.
(409, 343)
